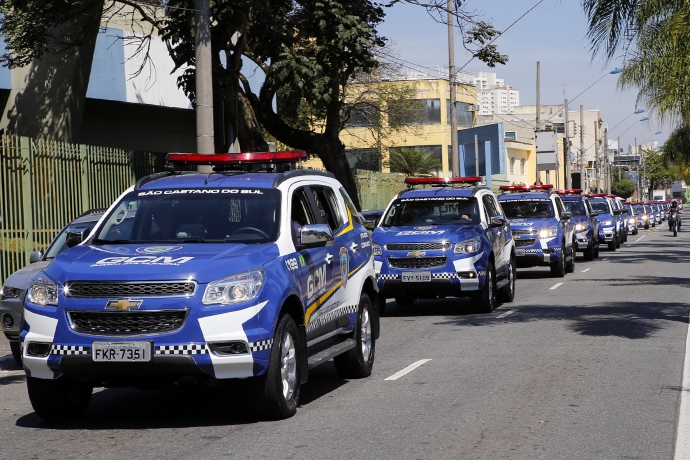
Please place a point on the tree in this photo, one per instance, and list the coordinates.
(413, 162)
(623, 188)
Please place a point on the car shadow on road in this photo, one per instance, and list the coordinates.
(631, 320)
(7, 378)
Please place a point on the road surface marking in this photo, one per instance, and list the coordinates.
(683, 435)
(640, 238)
(586, 270)
(555, 286)
(408, 369)
(510, 312)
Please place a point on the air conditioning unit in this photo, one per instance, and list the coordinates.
(472, 108)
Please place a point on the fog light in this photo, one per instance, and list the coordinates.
(228, 348)
(7, 320)
(38, 349)
(467, 275)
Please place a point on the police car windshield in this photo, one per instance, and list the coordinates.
(638, 209)
(601, 206)
(432, 211)
(194, 216)
(576, 207)
(520, 208)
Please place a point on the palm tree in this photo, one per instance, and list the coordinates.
(413, 162)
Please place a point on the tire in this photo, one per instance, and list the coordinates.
(382, 305)
(404, 300)
(558, 268)
(277, 392)
(60, 400)
(646, 226)
(618, 242)
(675, 232)
(589, 252)
(484, 301)
(16, 348)
(613, 244)
(570, 268)
(357, 362)
(507, 293)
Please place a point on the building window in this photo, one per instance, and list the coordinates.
(464, 117)
(424, 112)
(522, 167)
(512, 135)
(367, 159)
(365, 114)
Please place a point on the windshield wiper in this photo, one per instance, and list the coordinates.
(112, 241)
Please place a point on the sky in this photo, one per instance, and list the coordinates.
(553, 33)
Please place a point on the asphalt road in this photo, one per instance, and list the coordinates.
(590, 369)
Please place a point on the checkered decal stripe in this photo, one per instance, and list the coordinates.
(444, 276)
(387, 277)
(181, 349)
(321, 320)
(259, 346)
(70, 350)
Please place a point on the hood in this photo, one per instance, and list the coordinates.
(425, 233)
(203, 262)
(20, 279)
(533, 222)
(579, 220)
(605, 216)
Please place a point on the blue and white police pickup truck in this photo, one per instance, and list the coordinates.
(541, 227)
(609, 231)
(584, 222)
(240, 273)
(450, 240)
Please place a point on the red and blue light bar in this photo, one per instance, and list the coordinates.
(442, 181)
(220, 159)
(596, 195)
(525, 188)
(575, 191)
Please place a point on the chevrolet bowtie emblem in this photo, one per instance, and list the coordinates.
(123, 304)
(416, 254)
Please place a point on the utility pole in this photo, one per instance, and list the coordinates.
(582, 149)
(476, 155)
(597, 159)
(566, 150)
(204, 77)
(607, 169)
(454, 156)
(537, 128)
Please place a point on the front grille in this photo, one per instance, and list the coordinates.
(416, 262)
(531, 231)
(90, 289)
(417, 246)
(523, 243)
(126, 323)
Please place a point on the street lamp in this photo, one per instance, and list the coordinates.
(644, 118)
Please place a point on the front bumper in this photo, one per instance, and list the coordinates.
(532, 257)
(607, 235)
(583, 241)
(13, 308)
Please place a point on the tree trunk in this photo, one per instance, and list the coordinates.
(240, 113)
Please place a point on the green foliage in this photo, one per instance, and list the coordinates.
(413, 162)
(624, 188)
(677, 146)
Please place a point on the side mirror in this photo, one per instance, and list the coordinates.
(616, 212)
(316, 235)
(370, 225)
(594, 213)
(76, 236)
(35, 256)
(497, 221)
(566, 215)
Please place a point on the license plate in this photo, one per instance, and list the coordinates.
(112, 352)
(519, 252)
(416, 277)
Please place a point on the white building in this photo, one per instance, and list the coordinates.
(493, 95)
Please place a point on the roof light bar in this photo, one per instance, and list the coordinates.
(611, 196)
(526, 188)
(596, 195)
(235, 158)
(576, 191)
(442, 181)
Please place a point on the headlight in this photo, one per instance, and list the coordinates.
(9, 293)
(644, 217)
(42, 291)
(234, 289)
(632, 220)
(548, 232)
(467, 246)
(581, 227)
(607, 222)
(376, 248)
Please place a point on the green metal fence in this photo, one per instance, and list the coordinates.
(44, 185)
(376, 189)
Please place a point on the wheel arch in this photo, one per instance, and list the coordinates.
(369, 288)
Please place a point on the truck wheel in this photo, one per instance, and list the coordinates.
(507, 293)
(618, 241)
(484, 301)
(357, 362)
(382, 305)
(558, 267)
(16, 349)
(589, 252)
(277, 392)
(570, 268)
(59, 400)
(613, 244)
